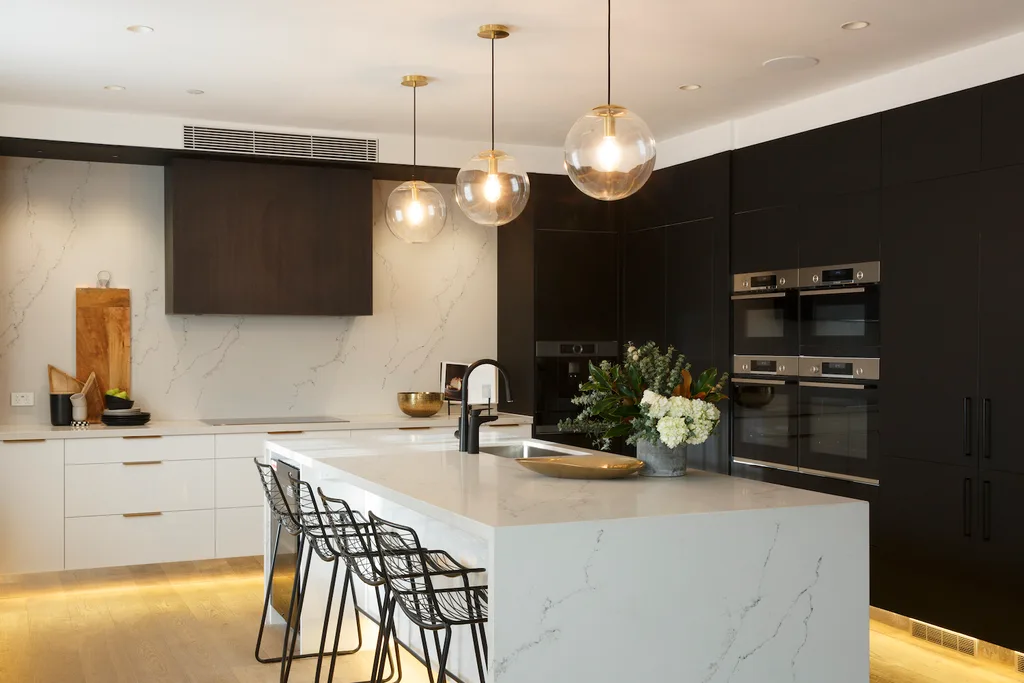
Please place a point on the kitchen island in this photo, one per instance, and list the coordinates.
(705, 578)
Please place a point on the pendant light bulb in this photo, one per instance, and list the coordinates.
(609, 151)
(416, 211)
(486, 193)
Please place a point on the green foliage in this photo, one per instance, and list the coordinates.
(610, 399)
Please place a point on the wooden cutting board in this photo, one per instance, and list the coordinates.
(103, 323)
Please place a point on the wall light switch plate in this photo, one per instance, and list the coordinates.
(23, 398)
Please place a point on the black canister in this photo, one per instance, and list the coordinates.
(60, 410)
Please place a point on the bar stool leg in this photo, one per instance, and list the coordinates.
(266, 599)
(442, 663)
(287, 665)
(327, 620)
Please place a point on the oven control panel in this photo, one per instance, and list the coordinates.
(840, 368)
(847, 274)
(765, 365)
(766, 281)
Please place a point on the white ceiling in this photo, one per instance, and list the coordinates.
(336, 64)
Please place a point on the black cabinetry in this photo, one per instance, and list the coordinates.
(576, 285)
(932, 139)
(1002, 136)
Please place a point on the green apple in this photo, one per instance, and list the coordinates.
(113, 392)
(122, 394)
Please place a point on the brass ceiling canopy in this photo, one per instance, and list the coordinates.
(414, 81)
(493, 31)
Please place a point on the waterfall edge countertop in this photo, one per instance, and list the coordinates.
(482, 491)
(23, 432)
(702, 578)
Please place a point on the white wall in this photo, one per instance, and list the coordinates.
(61, 222)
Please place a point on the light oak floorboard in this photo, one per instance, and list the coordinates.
(195, 622)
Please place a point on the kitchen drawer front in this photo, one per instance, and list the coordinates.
(238, 484)
(125, 488)
(249, 446)
(115, 540)
(134, 448)
(240, 532)
(511, 429)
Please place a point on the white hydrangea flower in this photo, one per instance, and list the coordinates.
(657, 405)
(673, 430)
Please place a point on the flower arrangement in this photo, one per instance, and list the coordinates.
(650, 396)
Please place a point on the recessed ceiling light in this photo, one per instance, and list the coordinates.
(140, 28)
(195, 91)
(113, 87)
(690, 86)
(791, 63)
(855, 25)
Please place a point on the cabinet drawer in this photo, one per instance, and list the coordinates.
(240, 532)
(250, 446)
(238, 484)
(130, 448)
(138, 487)
(115, 540)
(521, 430)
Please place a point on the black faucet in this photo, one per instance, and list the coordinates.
(470, 420)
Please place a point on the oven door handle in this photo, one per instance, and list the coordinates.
(772, 382)
(830, 385)
(823, 292)
(770, 295)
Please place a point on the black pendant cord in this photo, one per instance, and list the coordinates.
(609, 52)
(414, 89)
(492, 90)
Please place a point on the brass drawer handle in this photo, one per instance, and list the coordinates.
(24, 440)
(142, 462)
(411, 429)
(143, 436)
(294, 431)
(510, 424)
(142, 514)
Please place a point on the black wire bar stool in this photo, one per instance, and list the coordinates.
(410, 572)
(319, 536)
(288, 521)
(354, 544)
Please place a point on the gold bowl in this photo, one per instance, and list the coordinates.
(420, 403)
(595, 466)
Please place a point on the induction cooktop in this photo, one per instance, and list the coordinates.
(234, 421)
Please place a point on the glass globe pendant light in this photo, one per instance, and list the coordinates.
(416, 211)
(609, 151)
(491, 188)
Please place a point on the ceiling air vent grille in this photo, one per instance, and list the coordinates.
(948, 639)
(1020, 662)
(265, 143)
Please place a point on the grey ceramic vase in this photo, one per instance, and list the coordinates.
(661, 461)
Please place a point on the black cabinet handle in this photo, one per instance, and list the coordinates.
(986, 429)
(968, 440)
(967, 507)
(986, 510)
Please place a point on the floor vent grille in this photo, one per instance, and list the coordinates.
(1020, 662)
(948, 639)
(234, 141)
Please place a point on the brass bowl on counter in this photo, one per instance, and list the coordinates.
(420, 403)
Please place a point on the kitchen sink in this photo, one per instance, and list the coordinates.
(526, 449)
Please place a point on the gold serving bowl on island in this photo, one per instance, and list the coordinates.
(420, 403)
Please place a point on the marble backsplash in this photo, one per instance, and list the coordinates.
(61, 222)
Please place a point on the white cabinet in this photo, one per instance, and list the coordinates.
(118, 540)
(31, 506)
(511, 430)
(139, 448)
(138, 486)
(240, 531)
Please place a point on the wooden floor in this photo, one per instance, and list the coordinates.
(196, 623)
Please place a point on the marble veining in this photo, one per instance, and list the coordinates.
(61, 222)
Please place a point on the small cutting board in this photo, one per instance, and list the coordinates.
(103, 323)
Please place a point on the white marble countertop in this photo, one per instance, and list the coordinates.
(482, 492)
(15, 432)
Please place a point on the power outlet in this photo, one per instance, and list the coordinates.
(23, 399)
